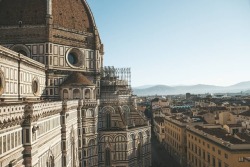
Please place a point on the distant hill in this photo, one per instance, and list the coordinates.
(143, 87)
(195, 89)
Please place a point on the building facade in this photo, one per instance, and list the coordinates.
(59, 106)
(213, 146)
(176, 136)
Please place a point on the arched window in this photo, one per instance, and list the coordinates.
(73, 150)
(83, 112)
(126, 111)
(148, 136)
(64, 161)
(139, 148)
(65, 94)
(140, 137)
(76, 94)
(87, 94)
(73, 156)
(91, 152)
(107, 158)
(120, 147)
(90, 113)
(133, 140)
(108, 120)
(50, 162)
(139, 152)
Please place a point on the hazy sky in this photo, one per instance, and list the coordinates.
(176, 42)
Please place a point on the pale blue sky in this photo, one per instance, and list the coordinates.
(176, 42)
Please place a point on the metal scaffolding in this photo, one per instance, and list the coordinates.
(122, 76)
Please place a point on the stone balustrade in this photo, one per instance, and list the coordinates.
(11, 112)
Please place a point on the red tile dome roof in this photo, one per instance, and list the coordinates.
(31, 12)
(68, 14)
(77, 78)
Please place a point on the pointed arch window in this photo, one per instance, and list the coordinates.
(73, 151)
(91, 152)
(126, 111)
(107, 158)
(139, 153)
(133, 141)
(50, 162)
(64, 161)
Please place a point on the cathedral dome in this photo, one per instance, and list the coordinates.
(69, 14)
(15, 12)
(72, 14)
(64, 22)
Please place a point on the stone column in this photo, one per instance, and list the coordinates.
(63, 133)
(27, 135)
(79, 129)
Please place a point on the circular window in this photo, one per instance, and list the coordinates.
(2, 83)
(75, 58)
(35, 87)
(72, 58)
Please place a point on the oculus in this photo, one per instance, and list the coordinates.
(35, 86)
(75, 58)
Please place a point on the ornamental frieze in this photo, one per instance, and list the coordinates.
(71, 39)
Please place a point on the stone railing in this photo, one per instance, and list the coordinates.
(44, 107)
(71, 103)
(11, 112)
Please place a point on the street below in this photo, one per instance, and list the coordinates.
(160, 157)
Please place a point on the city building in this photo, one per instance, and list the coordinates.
(214, 146)
(159, 128)
(175, 136)
(59, 106)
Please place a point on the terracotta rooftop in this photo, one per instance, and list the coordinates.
(243, 136)
(180, 119)
(222, 134)
(77, 78)
(246, 113)
(234, 125)
(159, 119)
(202, 113)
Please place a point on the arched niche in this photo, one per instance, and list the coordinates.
(76, 94)
(22, 49)
(65, 94)
(87, 94)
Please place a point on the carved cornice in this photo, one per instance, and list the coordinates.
(84, 42)
(11, 123)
